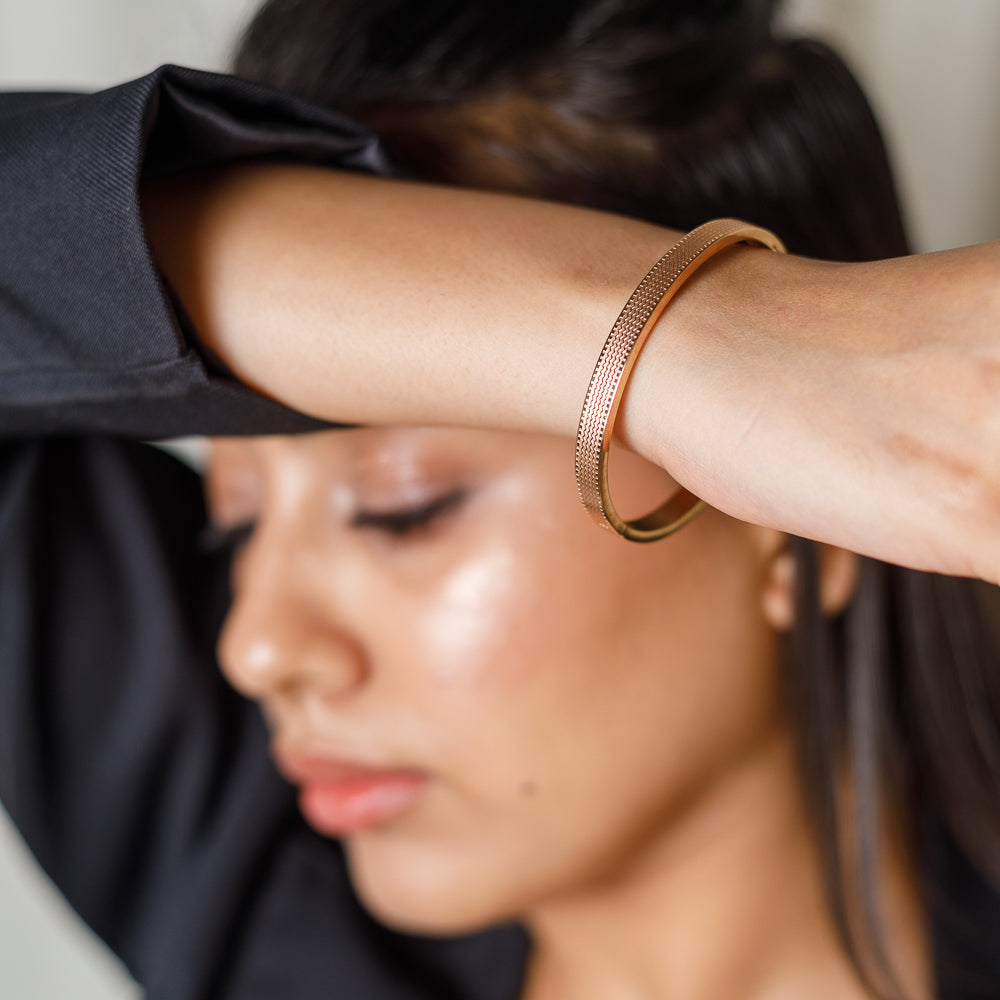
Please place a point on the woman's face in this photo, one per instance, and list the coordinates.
(490, 700)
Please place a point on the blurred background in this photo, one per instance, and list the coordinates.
(932, 71)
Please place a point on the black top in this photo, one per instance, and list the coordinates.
(140, 780)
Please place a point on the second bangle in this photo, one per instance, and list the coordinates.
(614, 366)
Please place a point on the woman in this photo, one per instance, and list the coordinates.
(585, 108)
(456, 694)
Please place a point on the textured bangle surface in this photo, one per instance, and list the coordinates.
(615, 363)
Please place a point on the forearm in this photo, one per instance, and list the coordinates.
(361, 300)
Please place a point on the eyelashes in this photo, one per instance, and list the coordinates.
(395, 524)
(407, 520)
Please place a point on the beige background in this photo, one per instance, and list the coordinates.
(932, 69)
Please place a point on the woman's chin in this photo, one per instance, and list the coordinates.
(424, 897)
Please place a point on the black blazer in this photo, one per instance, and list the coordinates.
(139, 779)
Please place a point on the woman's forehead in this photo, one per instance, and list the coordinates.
(377, 450)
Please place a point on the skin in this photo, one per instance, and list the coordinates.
(608, 754)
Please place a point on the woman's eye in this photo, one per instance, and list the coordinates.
(218, 538)
(408, 520)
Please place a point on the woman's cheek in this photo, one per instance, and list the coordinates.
(470, 623)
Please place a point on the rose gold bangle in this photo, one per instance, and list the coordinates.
(614, 366)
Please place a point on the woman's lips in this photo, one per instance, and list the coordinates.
(337, 797)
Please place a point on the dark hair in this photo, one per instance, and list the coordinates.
(676, 111)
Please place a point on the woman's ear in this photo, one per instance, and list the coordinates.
(838, 577)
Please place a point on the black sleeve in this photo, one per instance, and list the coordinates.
(139, 780)
(89, 339)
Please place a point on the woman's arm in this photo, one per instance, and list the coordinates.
(359, 300)
(856, 404)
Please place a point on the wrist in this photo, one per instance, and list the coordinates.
(704, 376)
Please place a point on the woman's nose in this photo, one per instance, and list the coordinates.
(282, 632)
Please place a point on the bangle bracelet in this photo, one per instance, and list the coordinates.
(614, 366)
